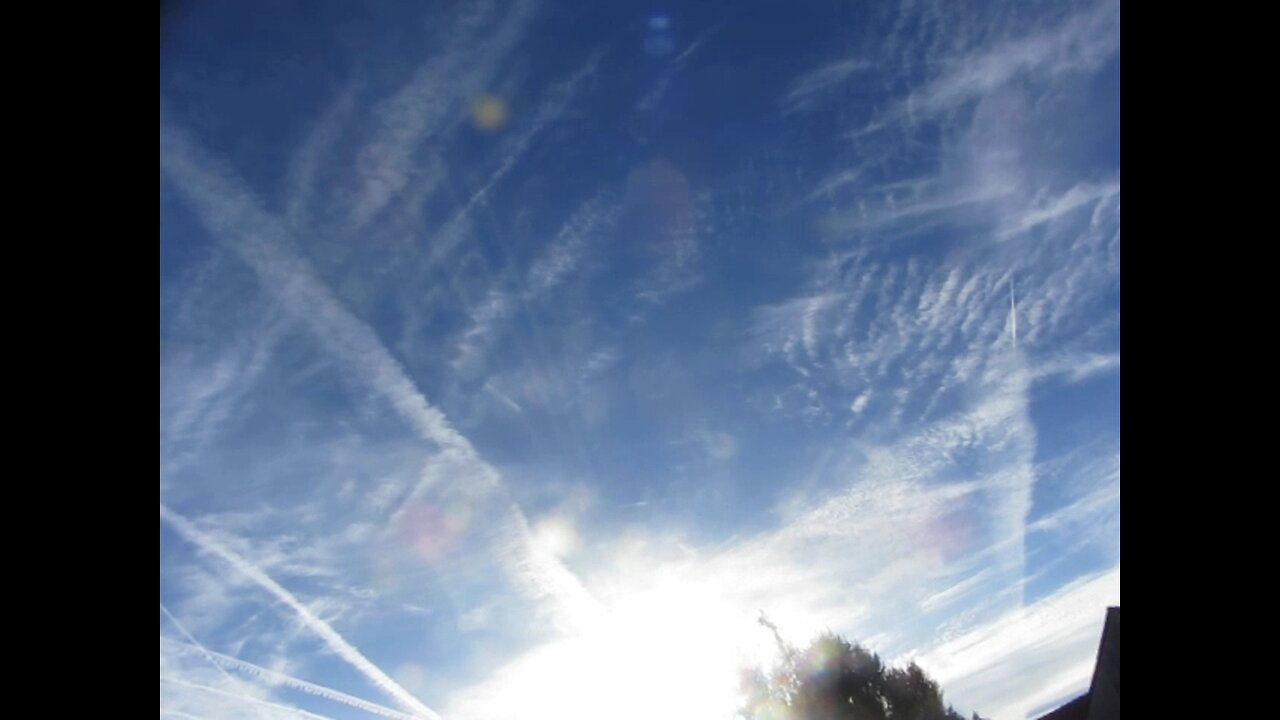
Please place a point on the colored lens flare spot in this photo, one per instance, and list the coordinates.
(488, 113)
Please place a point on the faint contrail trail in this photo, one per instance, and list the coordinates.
(278, 678)
(452, 233)
(196, 643)
(427, 106)
(1013, 313)
(179, 714)
(245, 698)
(336, 642)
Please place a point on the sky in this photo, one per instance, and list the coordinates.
(517, 357)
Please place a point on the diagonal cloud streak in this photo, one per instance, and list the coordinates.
(204, 651)
(244, 698)
(222, 662)
(231, 214)
(559, 98)
(322, 629)
(432, 103)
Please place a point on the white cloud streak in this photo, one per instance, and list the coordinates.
(246, 699)
(1076, 367)
(231, 214)
(271, 677)
(548, 112)
(1081, 43)
(808, 89)
(562, 257)
(198, 396)
(306, 163)
(331, 638)
(204, 651)
(1031, 656)
(1058, 206)
(433, 101)
(179, 714)
(654, 96)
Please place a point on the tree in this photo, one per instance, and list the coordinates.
(834, 679)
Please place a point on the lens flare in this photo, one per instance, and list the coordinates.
(488, 113)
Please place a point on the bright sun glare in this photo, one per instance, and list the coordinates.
(669, 647)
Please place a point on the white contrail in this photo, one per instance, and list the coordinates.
(180, 714)
(231, 213)
(278, 678)
(233, 216)
(432, 103)
(196, 643)
(305, 165)
(245, 698)
(1013, 313)
(560, 96)
(322, 629)
(650, 100)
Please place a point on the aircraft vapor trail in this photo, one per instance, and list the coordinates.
(278, 678)
(322, 629)
(246, 698)
(1013, 313)
(195, 643)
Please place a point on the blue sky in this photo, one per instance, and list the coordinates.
(513, 354)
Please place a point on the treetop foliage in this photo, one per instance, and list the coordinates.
(834, 679)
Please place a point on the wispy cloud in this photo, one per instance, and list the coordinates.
(1080, 43)
(919, 347)
(925, 211)
(201, 390)
(978, 95)
(434, 100)
(1082, 512)
(808, 89)
(565, 252)
(675, 223)
(1078, 366)
(868, 314)
(548, 112)
(205, 652)
(1020, 661)
(308, 160)
(663, 84)
(1054, 207)
(563, 256)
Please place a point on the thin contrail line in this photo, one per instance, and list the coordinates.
(181, 714)
(195, 643)
(452, 233)
(245, 698)
(322, 629)
(1013, 312)
(278, 678)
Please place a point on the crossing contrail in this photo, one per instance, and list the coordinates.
(322, 629)
(273, 677)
